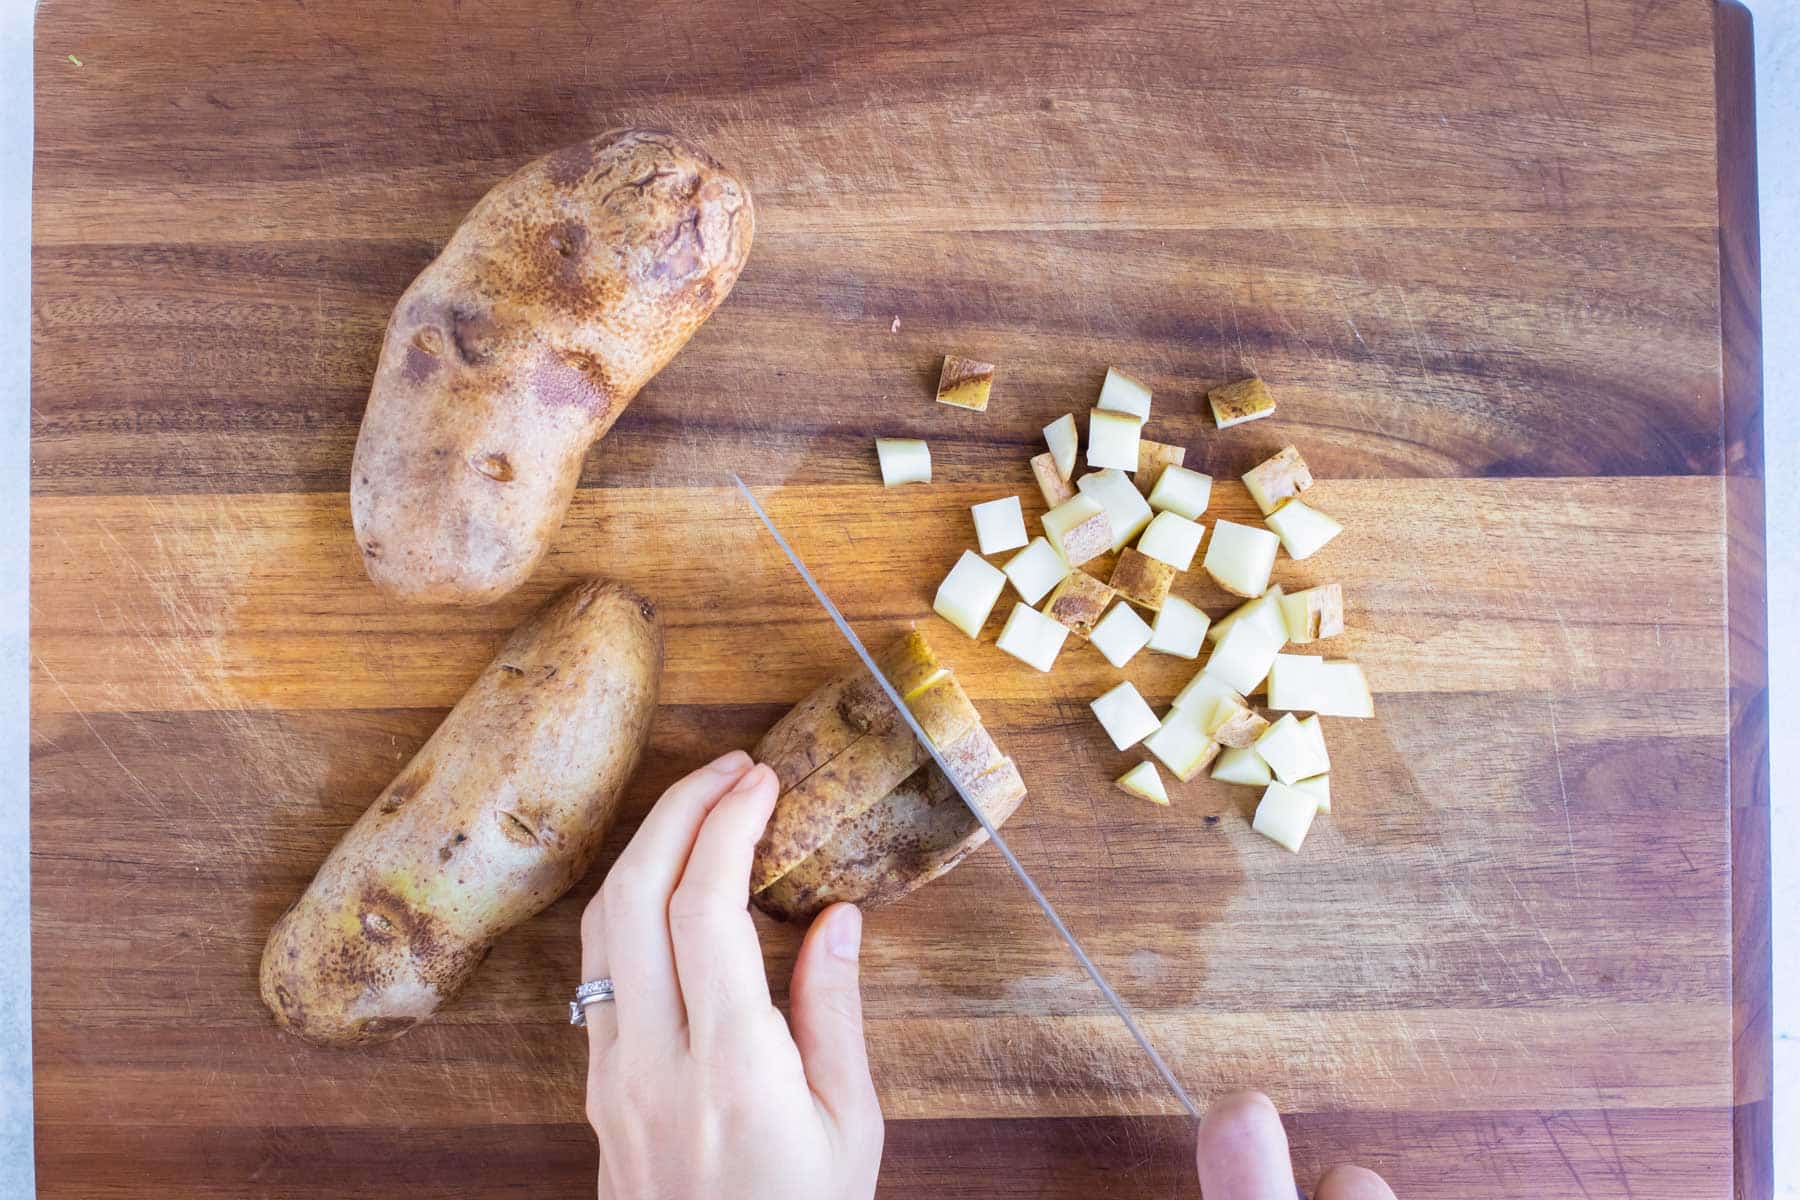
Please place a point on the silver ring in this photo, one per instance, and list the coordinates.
(594, 991)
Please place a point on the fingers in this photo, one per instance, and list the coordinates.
(602, 1019)
(635, 899)
(828, 1024)
(1353, 1183)
(1242, 1151)
(717, 958)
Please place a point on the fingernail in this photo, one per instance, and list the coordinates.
(843, 937)
(728, 764)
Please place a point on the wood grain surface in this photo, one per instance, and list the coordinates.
(1497, 262)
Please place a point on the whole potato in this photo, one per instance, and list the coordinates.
(864, 814)
(495, 817)
(562, 292)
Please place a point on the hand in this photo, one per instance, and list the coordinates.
(1243, 1155)
(696, 1086)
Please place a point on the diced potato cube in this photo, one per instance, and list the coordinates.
(1181, 743)
(1145, 782)
(1294, 750)
(1332, 688)
(1203, 689)
(1283, 815)
(1245, 400)
(1113, 440)
(1153, 459)
(964, 383)
(1062, 439)
(1172, 539)
(1126, 511)
(1122, 393)
(1031, 637)
(1314, 614)
(1232, 724)
(1304, 530)
(1035, 570)
(1179, 629)
(1079, 529)
(1319, 788)
(1243, 656)
(1120, 634)
(1182, 491)
(1240, 558)
(903, 460)
(1264, 610)
(1141, 579)
(1078, 602)
(1124, 715)
(1280, 478)
(999, 525)
(969, 592)
(1242, 764)
(1052, 484)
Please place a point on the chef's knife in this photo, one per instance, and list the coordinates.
(1012, 861)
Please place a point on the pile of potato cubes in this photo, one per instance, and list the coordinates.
(1138, 500)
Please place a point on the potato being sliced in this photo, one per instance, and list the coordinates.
(1078, 602)
(1314, 614)
(1063, 441)
(1145, 782)
(1275, 479)
(1052, 484)
(1153, 459)
(1078, 529)
(1141, 579)
(1245, 400)
(964, 383)
(903, 460)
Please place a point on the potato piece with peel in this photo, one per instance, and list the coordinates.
(494, 818)
(1245, 400)
(864, 815)
(1079, 602)
(965, 383)
(1153, 459)
(1141, 579)
(1051, 485)
(1313, 614)
(1279, 478)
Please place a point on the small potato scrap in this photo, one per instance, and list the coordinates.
(1245, 400)
(864, 815)
(1153, 458)
(964, 383)
(1143, 580)
(1280, 478)
(1079, 602)
(1051, 483)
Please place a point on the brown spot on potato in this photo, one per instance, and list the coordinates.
(568, 238)
(409, 784)
(572, 380)
(512, 672)
(473, 334)
(682, 254)
(419, 365)
(496, 467)
(371, 549)
(515, 827)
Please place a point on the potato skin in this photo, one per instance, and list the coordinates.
(564, 290)
(498, 814)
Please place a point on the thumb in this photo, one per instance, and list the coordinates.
(827, 1019)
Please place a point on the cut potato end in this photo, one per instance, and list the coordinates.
(1236, 403)
(1303, 530)
(1124, 715)
(1078, 602)
(1113, 440)
(1283, 815)
(1242, 764)
(999, 524)
(1053, 485)
(1263, 610)
(1275, 479)
(1243, 656)
(1123, 394)
(1329, 687)
(1314, 614)
(1203, 689)
(1120, 634)
(1182, 491)
(964, 383)
(944, 711)
(1126, 511)
(1153, 459)
(1294, 750)
(1231, 724)
(1179, 629)
(1145, 782)
(1063, 441)
(1035, 570)
(1141, 579)
(1181, 744)
(903, 460)
(1172, 539)
(1031, 637)
(969, 592)
(1240, 558)
(1079, 529)
(1319, 788)
(910, 665)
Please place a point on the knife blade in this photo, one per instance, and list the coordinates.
(987, 825)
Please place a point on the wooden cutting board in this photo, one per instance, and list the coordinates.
(1497, 262)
